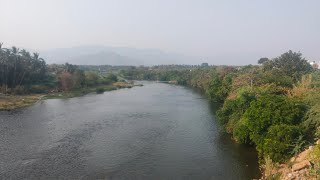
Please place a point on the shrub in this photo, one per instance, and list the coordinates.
(3, 89)
(19, 90)
(233, 109)
(277, 142)
(91, 78)
(112, 78)
(315, 159)
(38, 89)
(100, 90)
(242, 133)
(219, 87)
(272, 123)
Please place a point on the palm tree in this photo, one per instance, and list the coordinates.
(25, 63)
(15, 54)
(4, 55)
(20, 68)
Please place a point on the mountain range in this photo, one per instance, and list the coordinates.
(103, 55)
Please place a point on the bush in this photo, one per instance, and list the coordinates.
(315, 159)
(233, 109)
(242, 133)
(272, 122)
(19, 90)
(3, 89)
(100, 90)
(111, 78)
(219, 87)
(278, 140)
(91, 78)
(38, 89)
(312, 117)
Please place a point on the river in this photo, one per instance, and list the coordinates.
(157, 131)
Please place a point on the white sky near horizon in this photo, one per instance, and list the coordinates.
(231, 31)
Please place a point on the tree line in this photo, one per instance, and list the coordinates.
(23, 72)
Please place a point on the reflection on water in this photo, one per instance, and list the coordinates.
(158, 131)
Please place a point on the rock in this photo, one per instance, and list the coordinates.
(301, 165)
(318, 142)
(302, 156)
(292, 159)
(310, 147)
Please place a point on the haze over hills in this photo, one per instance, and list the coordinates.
(102, 55)
(107, 55)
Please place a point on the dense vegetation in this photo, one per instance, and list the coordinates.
(274, 106)
(20, 68)
(22, 73)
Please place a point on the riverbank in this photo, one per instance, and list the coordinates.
(11, 102)
(305, 165)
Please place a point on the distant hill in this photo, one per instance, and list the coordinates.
(101, 55)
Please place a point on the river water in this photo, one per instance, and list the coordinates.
(158, 131)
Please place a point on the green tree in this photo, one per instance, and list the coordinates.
(263, 60)
(291, 64)
(91, 78)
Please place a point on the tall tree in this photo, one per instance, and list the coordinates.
(291, 64)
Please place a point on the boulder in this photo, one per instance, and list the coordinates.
(301, 165)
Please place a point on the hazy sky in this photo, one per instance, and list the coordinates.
(236, 31)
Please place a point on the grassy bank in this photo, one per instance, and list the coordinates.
(13, 102)
(18, 101)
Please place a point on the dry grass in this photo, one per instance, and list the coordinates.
(302, 88)
(13, 102)
(122, 85)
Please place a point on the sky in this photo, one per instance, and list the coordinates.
(216, 31)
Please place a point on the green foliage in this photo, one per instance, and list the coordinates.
(219, 87)
(277, 141)
(315, 79)
(263, 60)
(298, 145)
(317, 133)
(315, 159)
(20, 68)
(111, 78)
(79, 78)
(242, 132)
(91, 78)
(273, 124)
(233, 109)
(290, 64)
(278, 78)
